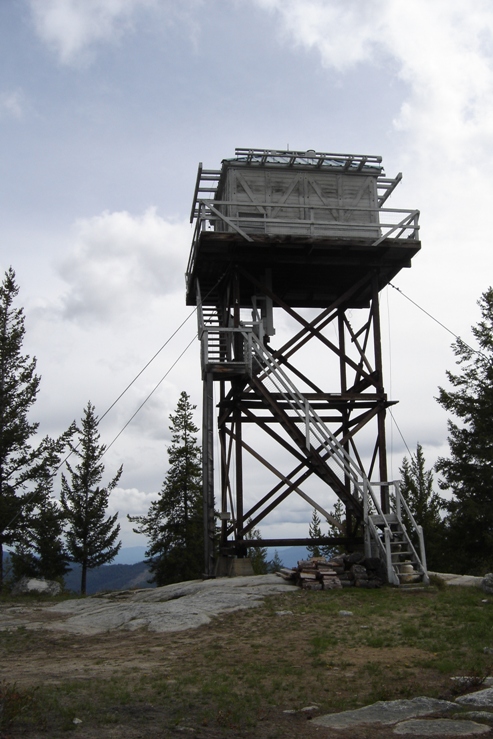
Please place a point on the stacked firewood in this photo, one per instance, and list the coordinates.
(343, 571)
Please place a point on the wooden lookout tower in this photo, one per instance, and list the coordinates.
(289, 254)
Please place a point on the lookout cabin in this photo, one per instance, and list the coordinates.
(317, 219)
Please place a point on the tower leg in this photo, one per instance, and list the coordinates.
(382, 445)
(208, 474)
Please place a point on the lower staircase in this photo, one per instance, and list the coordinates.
(391, 541)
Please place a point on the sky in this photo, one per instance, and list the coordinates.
(106, 109)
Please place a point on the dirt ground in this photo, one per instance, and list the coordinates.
(158, 679)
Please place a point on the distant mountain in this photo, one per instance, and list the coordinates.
(110, 577)
(289, 556)
(126, 576)
(130, 555)
(127, 573)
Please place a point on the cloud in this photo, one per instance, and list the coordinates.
(71, 26)
(12, 104)
(442, 50)
(134, 502)
(327, 27)
(120, 262)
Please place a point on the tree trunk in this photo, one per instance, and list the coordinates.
(83, 579)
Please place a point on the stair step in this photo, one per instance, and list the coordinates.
(389, 518)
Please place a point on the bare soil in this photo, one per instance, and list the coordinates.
(237, 677)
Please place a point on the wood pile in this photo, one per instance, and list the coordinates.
(343, 571)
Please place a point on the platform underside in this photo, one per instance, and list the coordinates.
(306, 272)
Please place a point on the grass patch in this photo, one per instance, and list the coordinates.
(236, 676)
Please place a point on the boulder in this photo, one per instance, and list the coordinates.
(487, 583)
(479, 699)
(385, 713)
(440, 727)
(34, 585)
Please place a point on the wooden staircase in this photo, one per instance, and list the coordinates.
(217, 344)
(404, 565)
(386, 535)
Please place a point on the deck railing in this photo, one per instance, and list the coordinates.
(375, 224)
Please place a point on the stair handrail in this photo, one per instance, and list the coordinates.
(200, 313)
(371, 529)
(315, 427)
(206, 331)
(401, 501)
(313, 423)
(371, 532)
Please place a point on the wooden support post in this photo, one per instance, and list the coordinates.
(239, 474)
(344, 411)
(382, 445)
(208, 473)
(224, 471)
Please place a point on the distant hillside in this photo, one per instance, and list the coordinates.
(110, 577)
(289, 556)
(130, 555)
(127, 576)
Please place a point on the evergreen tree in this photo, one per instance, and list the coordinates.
(21, 464)
(19, 387)
(468, 472)
(338, 512)
(425, 506)
(314, 532)
(174, 523)
(257, 555)
(41, 551)
(275, 563)
(92, 537)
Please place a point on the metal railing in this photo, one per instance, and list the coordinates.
(346, 221)
(386, 520)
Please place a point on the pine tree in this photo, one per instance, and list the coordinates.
(468, 472)
(92, 537)
(338, 512)
(19, 387)
(174, 523)
(21, 464)
(41, 551)
(425, 506)
(314, 532)
(257, 555)
(275, 563)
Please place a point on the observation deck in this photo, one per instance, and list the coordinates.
(316, 220)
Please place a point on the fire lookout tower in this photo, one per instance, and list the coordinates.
(302, 237)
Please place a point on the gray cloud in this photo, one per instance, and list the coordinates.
(70, 27)
(118, 263)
